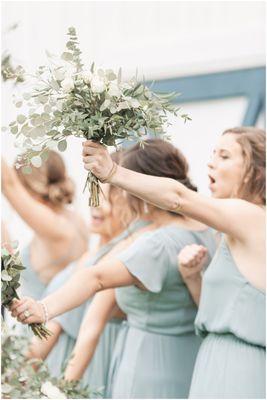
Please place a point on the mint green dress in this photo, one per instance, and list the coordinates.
(30, 281)
(156, 348)
(231, 319)
(96, 373)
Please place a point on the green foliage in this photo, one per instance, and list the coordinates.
(9, 72)
(22, 378)
(11, 268)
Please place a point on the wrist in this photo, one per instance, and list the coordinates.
(110, 174)
(44, 311)
(194, 278)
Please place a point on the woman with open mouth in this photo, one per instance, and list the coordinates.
(231, 316)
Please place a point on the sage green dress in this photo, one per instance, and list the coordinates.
(231, 318)
(96, 373)
(156, 348)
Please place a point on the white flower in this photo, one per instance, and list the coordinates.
(67, 85)
(86, 76)
(97, 85)
(51, 391)
(134, 103)
(59, 74)
(114, 90)
(123, 105)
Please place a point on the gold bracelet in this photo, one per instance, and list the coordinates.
(110, 175)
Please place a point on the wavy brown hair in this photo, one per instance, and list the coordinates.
(252, 142)
(157, 158)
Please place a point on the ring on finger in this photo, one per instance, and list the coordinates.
(27, 314)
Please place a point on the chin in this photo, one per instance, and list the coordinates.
(99, 230)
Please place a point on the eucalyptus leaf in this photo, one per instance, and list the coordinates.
(66, 56)
(26, 170)
(4, 252)
(62, 145)
(14, 130)
(26, 96)
(21, 118)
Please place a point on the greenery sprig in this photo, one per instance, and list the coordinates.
(11, 268)
(20, 380)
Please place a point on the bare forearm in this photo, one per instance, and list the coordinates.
(79, 288)
(194, 288)
(81, 359)
(163, 192)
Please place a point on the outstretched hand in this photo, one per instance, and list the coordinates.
(96, 159)
(27, 311)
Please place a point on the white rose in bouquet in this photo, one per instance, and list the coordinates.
(114, 90)
(51, 391)
(86, 76)
(67, 85)
(97, 85)
(59, 74)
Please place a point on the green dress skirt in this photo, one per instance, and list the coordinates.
(231, 319)
(156, 349)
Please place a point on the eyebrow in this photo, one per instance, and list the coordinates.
(222, 150)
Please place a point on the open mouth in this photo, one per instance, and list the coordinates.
(212, 180)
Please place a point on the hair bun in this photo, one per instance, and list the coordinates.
(61, 192)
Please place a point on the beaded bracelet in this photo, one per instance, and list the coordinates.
(45, 311)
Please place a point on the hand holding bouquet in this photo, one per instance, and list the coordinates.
(11, 268)
(67, 99)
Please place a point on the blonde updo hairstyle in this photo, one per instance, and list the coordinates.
(49, 182)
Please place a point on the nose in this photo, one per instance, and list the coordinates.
(210, 164)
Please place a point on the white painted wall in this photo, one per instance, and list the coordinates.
(163, 39)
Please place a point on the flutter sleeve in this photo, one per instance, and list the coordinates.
(148, 260)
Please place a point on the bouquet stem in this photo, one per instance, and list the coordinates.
(94, 189)
(40, 330)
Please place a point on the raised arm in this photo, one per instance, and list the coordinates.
(43, 220)
(79, 288)
(231, 216)
(94, 322)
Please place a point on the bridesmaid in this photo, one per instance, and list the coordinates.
(156, 348)
(106, 222)
(231, 317)
(41, 199)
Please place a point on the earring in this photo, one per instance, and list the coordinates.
(145, 208)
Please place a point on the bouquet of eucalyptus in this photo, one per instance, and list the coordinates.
(68, 99)
(11, 268)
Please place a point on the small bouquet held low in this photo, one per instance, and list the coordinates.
(67, 99)
(11, 268)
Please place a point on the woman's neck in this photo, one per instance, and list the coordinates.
(159, 217)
